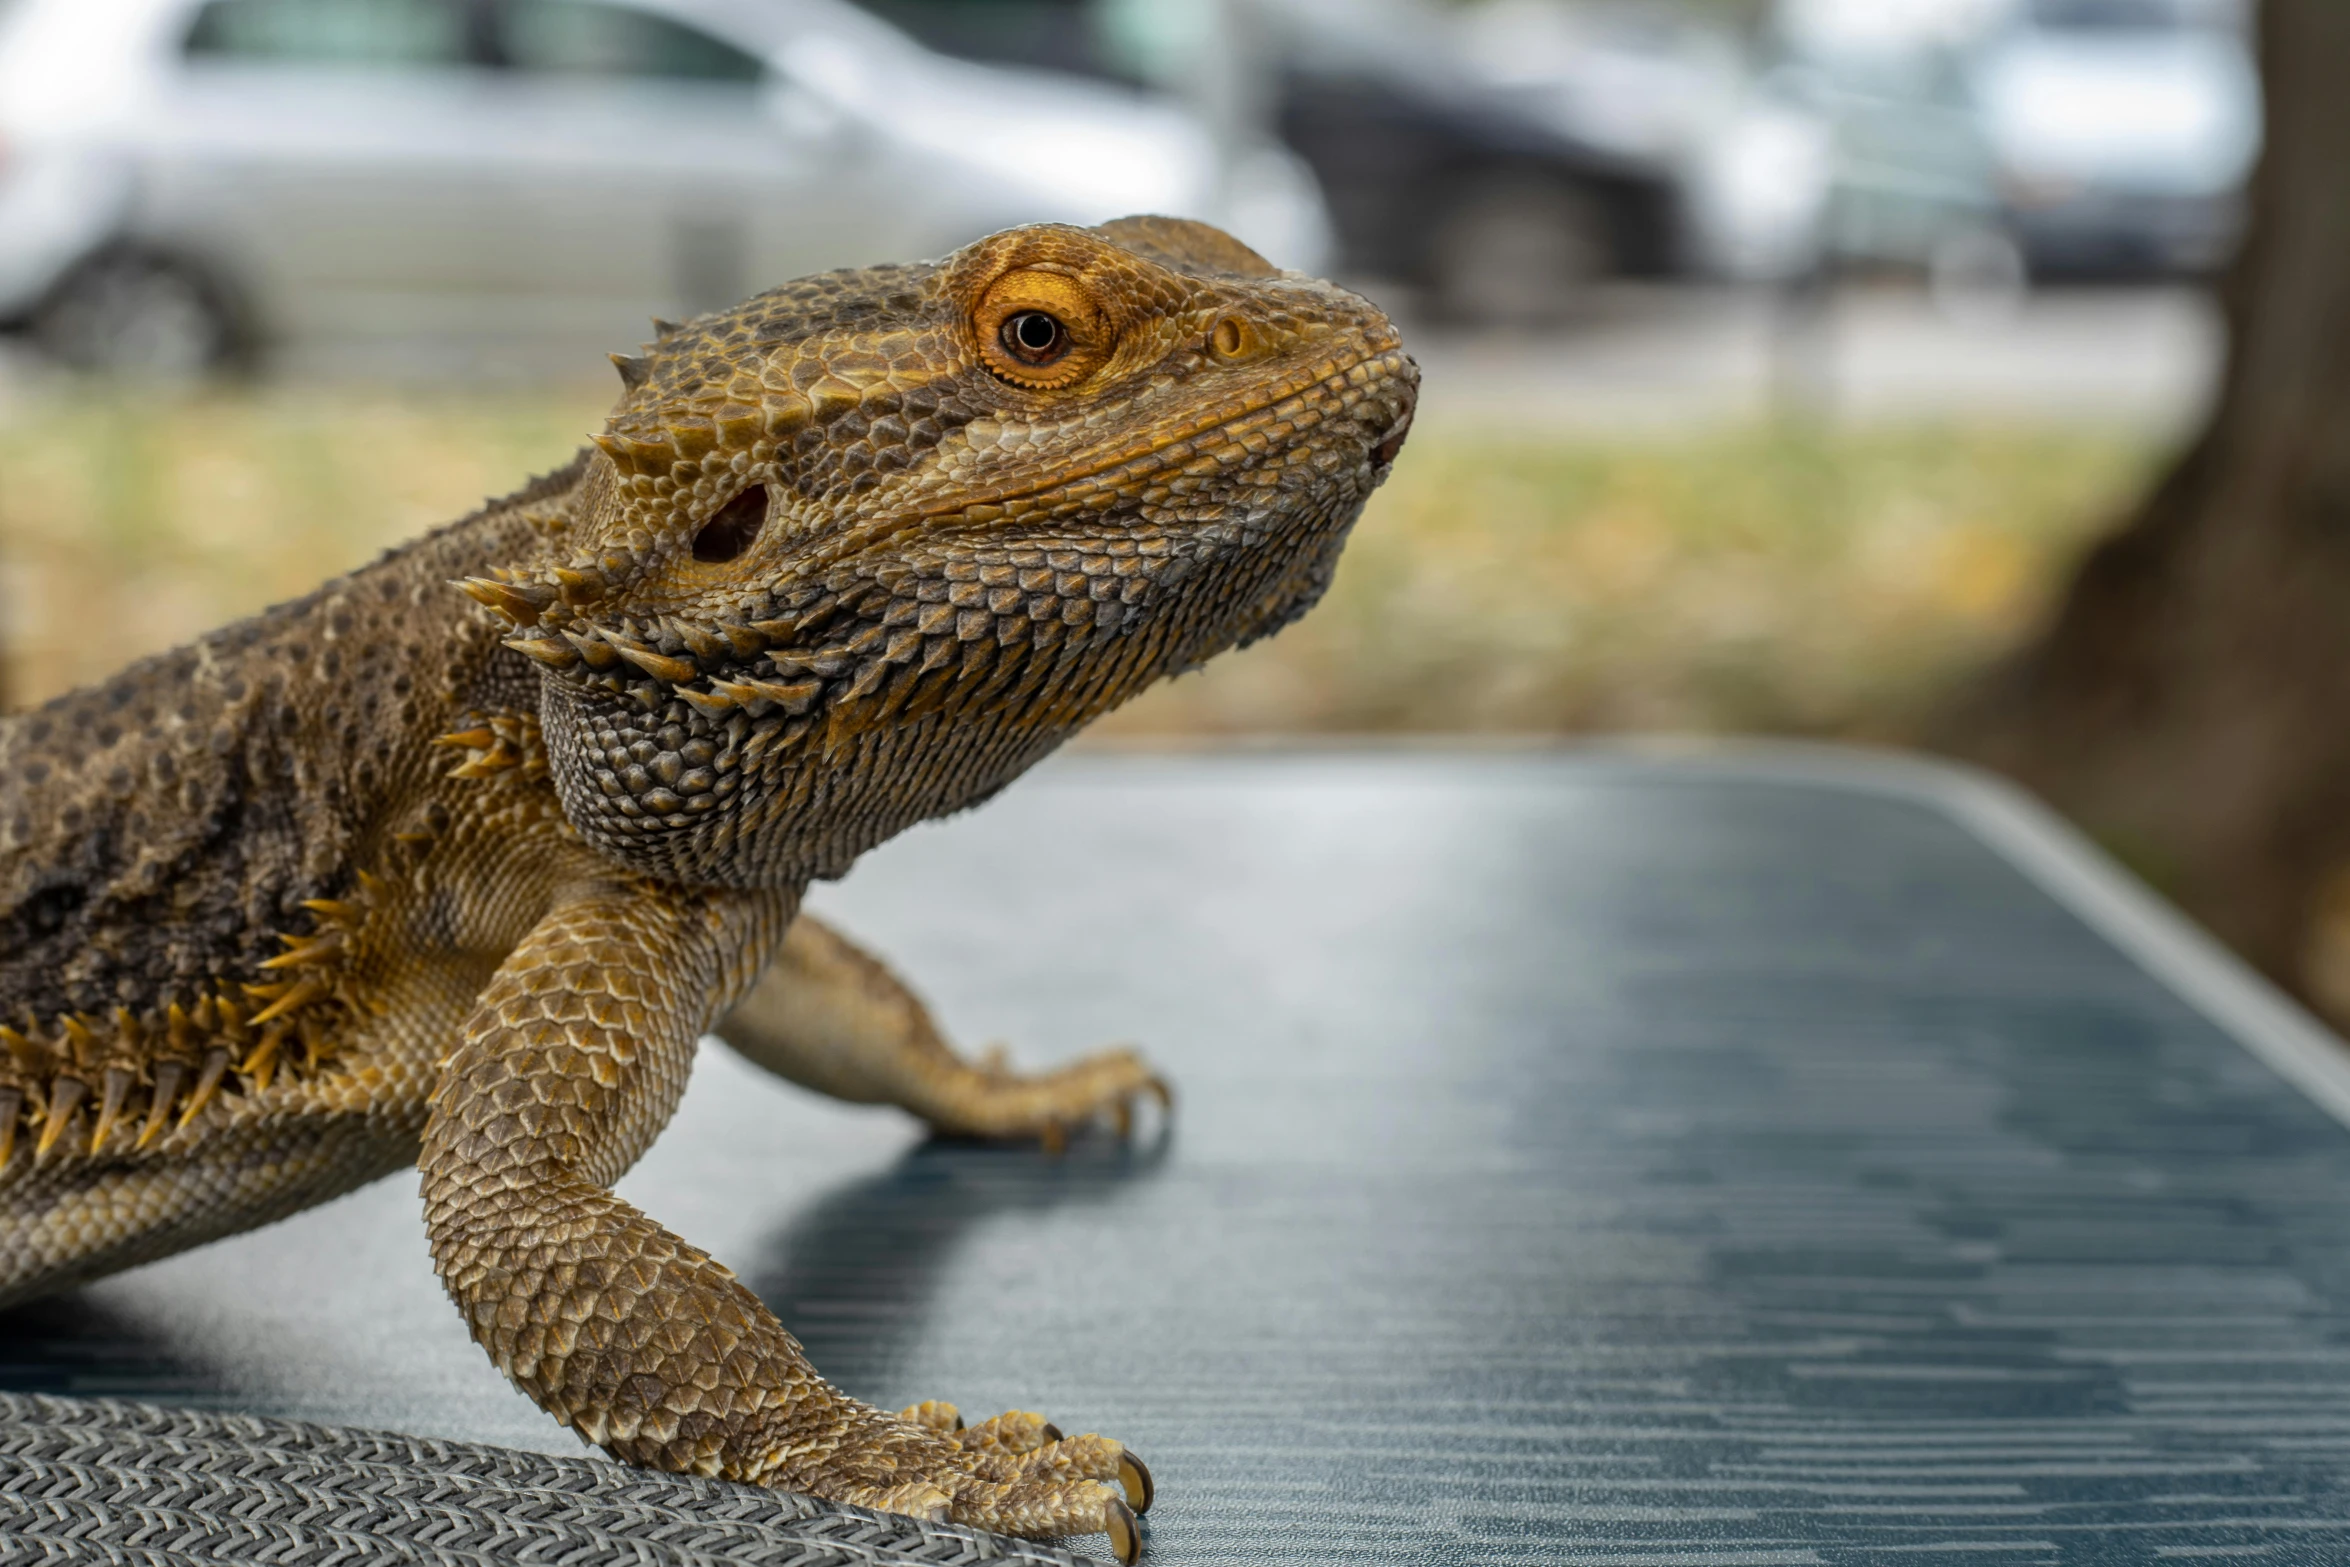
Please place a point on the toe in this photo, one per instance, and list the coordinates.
(1050, 1106)
(937, 1414)
(915, 1499)
(1013, 1431)
(1042, 1507)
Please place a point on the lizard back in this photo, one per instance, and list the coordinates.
(165, 830)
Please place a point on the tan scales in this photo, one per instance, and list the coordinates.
(449, 864)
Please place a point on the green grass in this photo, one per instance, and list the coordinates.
(1765, 579)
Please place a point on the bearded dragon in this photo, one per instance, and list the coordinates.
(450, 864)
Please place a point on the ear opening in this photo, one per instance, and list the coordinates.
(732, 527)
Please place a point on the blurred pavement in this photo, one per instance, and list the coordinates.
(1673, 356)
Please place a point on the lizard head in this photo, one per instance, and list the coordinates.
(859, 550)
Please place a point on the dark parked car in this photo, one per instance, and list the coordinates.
(1433, 178)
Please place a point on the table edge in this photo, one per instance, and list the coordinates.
(2066, 864)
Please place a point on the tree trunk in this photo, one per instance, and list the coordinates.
(2191, 703)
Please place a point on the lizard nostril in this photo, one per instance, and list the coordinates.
(730, 530)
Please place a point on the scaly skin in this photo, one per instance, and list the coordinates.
(397, 875)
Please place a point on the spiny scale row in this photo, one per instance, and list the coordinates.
(848, 673)
(561, 595)
(924, 616)
(496, 744)
(182, 1056)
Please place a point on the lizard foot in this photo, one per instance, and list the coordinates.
(1007, 1475)
(1025, 1431)
(992, 1100)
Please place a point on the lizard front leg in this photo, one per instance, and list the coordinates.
(574, 1058)
(829, 1016)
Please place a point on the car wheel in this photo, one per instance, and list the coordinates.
(1517, 252)
(128, 313)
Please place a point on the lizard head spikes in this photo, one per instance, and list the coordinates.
(860, 549)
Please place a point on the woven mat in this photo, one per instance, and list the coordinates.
(109, 1481)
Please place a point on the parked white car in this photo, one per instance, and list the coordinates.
(189, 183)
(2123, 131)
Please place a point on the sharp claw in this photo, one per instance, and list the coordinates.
(1157, 1088)
(1052, 1433)
(1124, 1530)
(1135, 1475)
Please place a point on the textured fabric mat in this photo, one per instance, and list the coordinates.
(103, 1480)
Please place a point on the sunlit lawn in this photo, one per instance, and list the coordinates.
(1783, 579)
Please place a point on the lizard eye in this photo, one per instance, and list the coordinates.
(1034, 338)
(1042, 330)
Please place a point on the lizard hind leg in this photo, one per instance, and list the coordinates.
(831, 1017)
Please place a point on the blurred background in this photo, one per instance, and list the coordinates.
(1785, 360)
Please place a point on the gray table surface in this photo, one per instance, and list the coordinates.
(1778, 1158)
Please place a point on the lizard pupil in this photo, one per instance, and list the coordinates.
(1032, 337)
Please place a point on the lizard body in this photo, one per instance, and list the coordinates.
(394, 875)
